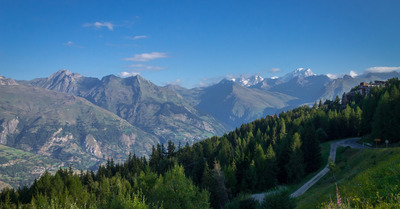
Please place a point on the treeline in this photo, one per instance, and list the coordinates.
(278, 149)
(128, 185)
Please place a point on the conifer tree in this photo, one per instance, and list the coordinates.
(295, 167)
(271, 168)
(311, 149)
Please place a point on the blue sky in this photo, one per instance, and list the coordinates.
(193, 43)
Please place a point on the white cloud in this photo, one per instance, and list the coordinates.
(141, 67)
(178, 81)
(146, 57)
(205, 82)
(72, 45)
(274, 70)
(353, 73)
(332, 76)
(127, 74)
(383, 69)
(137, 37)
(69, 43)
(108, 25)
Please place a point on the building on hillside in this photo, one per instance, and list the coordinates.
(363, 89)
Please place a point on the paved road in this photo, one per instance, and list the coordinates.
(351, 142)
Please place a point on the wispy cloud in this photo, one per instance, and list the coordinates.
(177, 81)
(274, 70)
(141, 67)
(205, 82)
(353, 73)
(383, 69)
(146, 57)
(99, 25)
(136, 37)
(127, 74)
(121, 45)
(71, 44)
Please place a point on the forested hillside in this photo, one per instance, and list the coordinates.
(275, 150)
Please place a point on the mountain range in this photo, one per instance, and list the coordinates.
(157, 110)
(84, 121)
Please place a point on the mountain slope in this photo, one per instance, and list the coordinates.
(234, 104)
(67, 82)
(157, 110)
(19, 168)
(307, 89)
(66, 127)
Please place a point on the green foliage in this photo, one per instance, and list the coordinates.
(242, 201)
(114, 186)
(278, 200)
(365, 179)
(174, 190)
(295, 167)
(15, 163)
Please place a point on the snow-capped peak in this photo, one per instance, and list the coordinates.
(248, 81)
(299, 72)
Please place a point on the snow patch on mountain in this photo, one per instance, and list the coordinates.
(299, 72)
(248, 81)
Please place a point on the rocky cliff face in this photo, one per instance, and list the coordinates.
(92, 146)
(56, 142)
(7, 81)
(7, 128)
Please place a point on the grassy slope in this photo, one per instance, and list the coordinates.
(363, 177)
(18, 168)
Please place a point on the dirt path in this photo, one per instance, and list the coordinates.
(351, 142)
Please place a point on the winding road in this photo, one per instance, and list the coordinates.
(351, 142)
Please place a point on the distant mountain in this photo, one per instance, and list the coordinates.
(234, 104)
(192, 96)
(378, 76)
(340, 85)
(306, 88)
(67, 82)
(302, 85)
(298, 73)
(157, 110)
(7, 81)
(248, 81)
(266, 84)
(66, 127)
